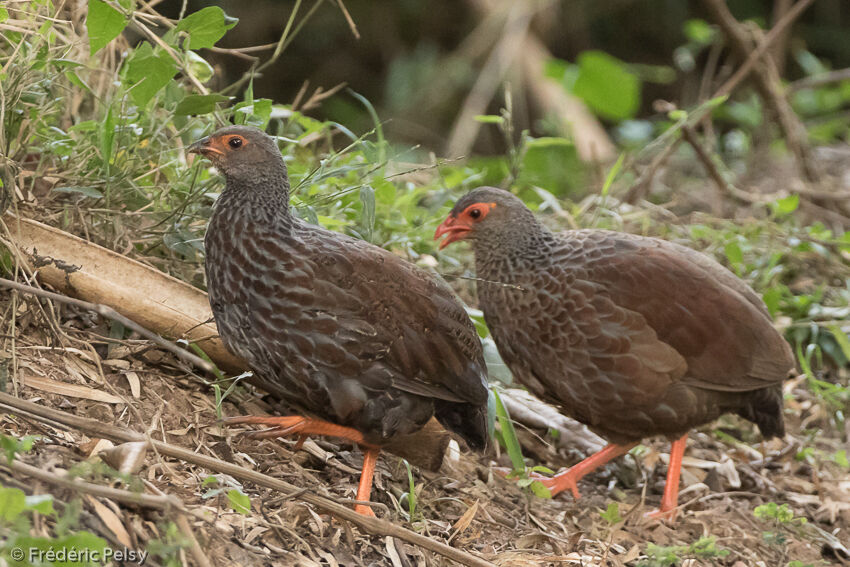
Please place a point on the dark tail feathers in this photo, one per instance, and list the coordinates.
(470, 421)
(765, 410)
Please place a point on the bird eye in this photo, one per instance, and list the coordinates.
(475, 213)
(235, 143)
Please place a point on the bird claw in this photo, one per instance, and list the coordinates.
(661, 515)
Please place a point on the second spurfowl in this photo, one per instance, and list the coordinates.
(633, 336)
(368, 346)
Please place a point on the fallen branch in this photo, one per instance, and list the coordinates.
(118, 434)
(110, 313)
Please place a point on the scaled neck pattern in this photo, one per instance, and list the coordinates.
(259, 198)
(520, 248)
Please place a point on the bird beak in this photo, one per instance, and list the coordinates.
(204, 146)
(454, 229)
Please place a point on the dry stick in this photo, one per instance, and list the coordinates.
(110, 313)
(819, 80)
(690, 137)
(165, 503)
(118, 434)
(767, 77)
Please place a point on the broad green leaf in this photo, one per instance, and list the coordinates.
(12, 502)
(4, 14)
(205, 27)
(147, 72)
(199, 104)
(104, 23)
(239, 502)
(607, 86)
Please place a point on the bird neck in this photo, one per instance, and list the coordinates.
(261, 197)
(512, 249)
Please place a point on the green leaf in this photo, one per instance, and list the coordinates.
(786, 205)
(509, 434)
(104, 23)
(367, 198)
(147, 72)
(41, 503)
(700, 32)
(12, 502)
(239, 502)
(85, 191)
(539, 490)
(205, 27)
(734, 253)
(209, 481)
(4, 14)
(607, 86)
(11, 446)
(199, 104)
(199, 67)
(612, 514)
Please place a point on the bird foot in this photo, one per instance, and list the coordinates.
(661, 515)
(284, 426)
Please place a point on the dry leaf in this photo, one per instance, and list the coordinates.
(135, 384)
(111, 520)
(127, 458)
(464, 521)
(70, 390)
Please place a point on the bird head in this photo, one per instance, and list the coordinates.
(481, 211)
(239, 151)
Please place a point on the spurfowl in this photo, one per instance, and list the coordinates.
(633, 336)
(369, 346)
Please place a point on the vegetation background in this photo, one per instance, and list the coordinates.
(622, 114)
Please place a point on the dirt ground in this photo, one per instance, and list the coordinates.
(464, 504)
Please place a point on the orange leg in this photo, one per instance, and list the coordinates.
(570, 477)
(304, 426)
(364, 489)
(670, 499)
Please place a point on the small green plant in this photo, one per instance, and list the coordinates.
(669, 556)
(506, 435)
(410, 497)
(168, 546)
(18, 547)
(11, 446)
(612, 514)
(226, 486)
(783, 522)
